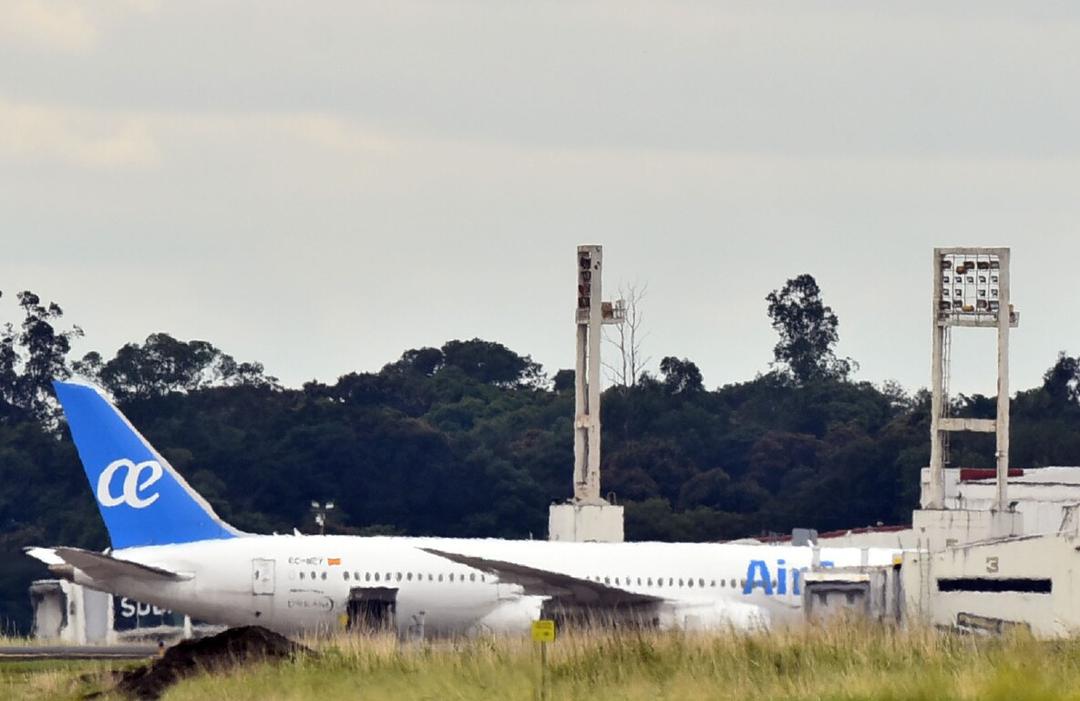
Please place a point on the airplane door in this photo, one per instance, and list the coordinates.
(262, 576)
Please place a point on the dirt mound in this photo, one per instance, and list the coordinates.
(226, 649)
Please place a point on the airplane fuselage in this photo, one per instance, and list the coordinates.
(306, 583)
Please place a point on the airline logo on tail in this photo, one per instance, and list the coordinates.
(142, 499)
(131, 486)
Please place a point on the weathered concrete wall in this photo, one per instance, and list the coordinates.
(1012, 564)
(601, 523)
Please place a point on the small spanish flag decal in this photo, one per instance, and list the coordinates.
(333, 560)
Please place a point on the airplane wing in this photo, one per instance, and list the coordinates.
(45, 555)
(105, 567)
(540, 582)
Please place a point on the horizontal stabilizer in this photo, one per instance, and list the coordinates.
(105, 567)
(539, 582)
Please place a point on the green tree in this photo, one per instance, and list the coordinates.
(808, 332)
(1062, 381)
(32, 357)
(422, 361)
(563, 381)
(680, 376)
(164, 364)
(492, 363)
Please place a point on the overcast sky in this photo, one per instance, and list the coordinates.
(319, 186)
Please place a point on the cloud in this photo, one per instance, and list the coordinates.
(332, 132)
(62, 25)
(75, 137)
(55, 25)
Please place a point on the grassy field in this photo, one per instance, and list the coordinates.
(41, 679)
(833, 663)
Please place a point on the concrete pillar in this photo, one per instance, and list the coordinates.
(937, 364)
(588, 517)
(1002, 427)
(581, 425)
(587, 375)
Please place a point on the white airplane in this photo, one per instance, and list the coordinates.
(171, 550)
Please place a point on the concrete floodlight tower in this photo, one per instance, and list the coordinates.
(971, 289)
(588, 517)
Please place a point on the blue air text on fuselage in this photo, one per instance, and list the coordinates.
(787, 580)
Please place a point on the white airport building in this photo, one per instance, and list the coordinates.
(71, 613)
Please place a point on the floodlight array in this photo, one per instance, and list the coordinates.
(970, 285)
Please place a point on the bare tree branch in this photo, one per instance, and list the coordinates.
(627, 337)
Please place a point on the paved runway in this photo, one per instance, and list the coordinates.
(77, 652)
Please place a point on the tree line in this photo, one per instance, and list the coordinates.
(474, 439)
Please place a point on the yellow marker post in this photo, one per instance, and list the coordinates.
(543, 632)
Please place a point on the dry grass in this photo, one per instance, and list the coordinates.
(837, 663)
(40, 679)
(19, 641)
(841, 662)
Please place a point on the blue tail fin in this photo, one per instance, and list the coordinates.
(142, 499)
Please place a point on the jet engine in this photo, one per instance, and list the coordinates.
(714, 615)
(511, 615)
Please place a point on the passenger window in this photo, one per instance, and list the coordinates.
(376, 576)
(690, 582)
(346, 576)
(680, 581)
(671, 581)
(701, 582)
(313, 574)
(639, 581)
(733, 584)
(607, 580)
(324, 576)
(472, 577)
(367, 576)
(301, 575)
(648, 581)
(660, 581)
(430, 577)
(440, 577)
(399, 576)
(408, 576)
